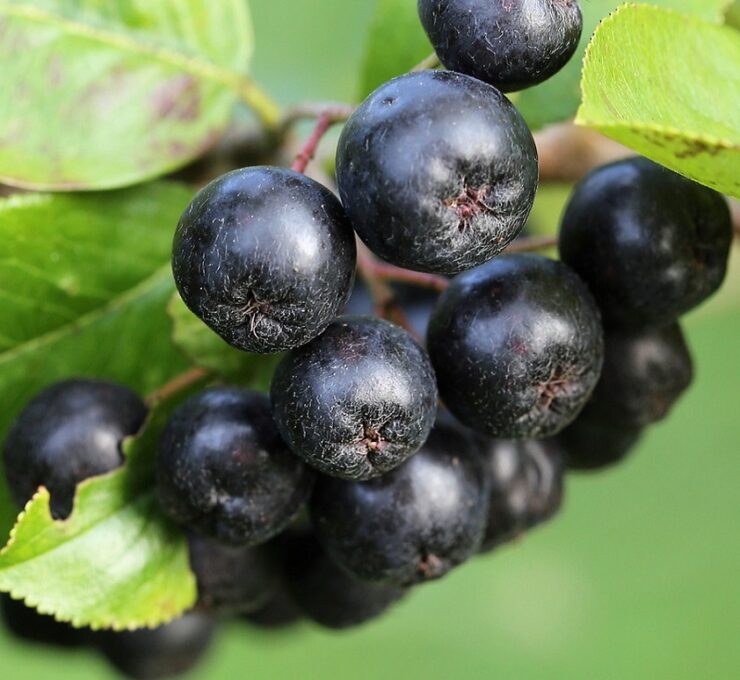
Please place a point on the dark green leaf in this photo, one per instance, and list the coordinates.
(206, 349)
(84, 283)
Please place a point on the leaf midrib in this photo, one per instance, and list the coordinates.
(158, 276)
(198, 66)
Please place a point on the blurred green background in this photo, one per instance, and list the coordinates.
(637, 578)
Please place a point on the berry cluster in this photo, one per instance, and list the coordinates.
(345, 487)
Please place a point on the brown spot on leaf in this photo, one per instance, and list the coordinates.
(694, 147)
(178, 98)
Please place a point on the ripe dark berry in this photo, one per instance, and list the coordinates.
(279, 612)
(437, 171)
(645, 372)
(30, 626)
(266, 257)
(517, 346)
(413, 524)
(231, 580)
(591, 444)
(526, 477)
(329, 595)
(70, 431)
(166, 651)
(358, 400)
(224, 470)
(512, 44)
(650, 244)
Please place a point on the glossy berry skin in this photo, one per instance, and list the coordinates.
(517, 346)
(67, 433)
(512, 44)
(167, 651)
(327, 594)
(265, 257)
(672, 236)
(224, 471)
(526, 477)
(358, 400)
(411, 525)
(645, 372)
(231, 580)
(28, 625)
(437, 171)
(591, 444)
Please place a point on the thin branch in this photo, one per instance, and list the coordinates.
(308, 150)
(430, 62)
(530, 244)
(382, 294)
(182, 382)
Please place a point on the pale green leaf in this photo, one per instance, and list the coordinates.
(107, 94)
(206, 349)
(557, 99)
(668, 86)
(115, 562)
(84, 284)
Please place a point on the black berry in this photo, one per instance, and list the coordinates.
(266, 257)
(358, 400)
(327, 594)
(517, 346)
(166, 651)
(67, 433)
(644, 374)
(225, 472)
(649, 243)
(278, 613)
(28, 625)
(231, 580)
(437, 171)
(413, 524)
(512, 44)
(526, 478)
(591, 444)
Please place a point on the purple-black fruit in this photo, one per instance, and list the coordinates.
(231, 579)
(650, 244)
(437, 171)
(224, 471)
(327, 594)
(591, 444)
(28, 625)
(163, 652)
(358, 400)
(411, 525)
(265, 257)
(512, 44)
(526, 478)
(67, 433)
(517, 346)
(645, 372)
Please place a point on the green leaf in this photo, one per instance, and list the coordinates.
(107, 94)
(557, 99)
(84, 283)
(395, 44)
(206, 349)
(732, 15)
(668, 86)
(116, 562)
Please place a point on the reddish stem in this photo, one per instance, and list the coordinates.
(308, 151)
(181, 382)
